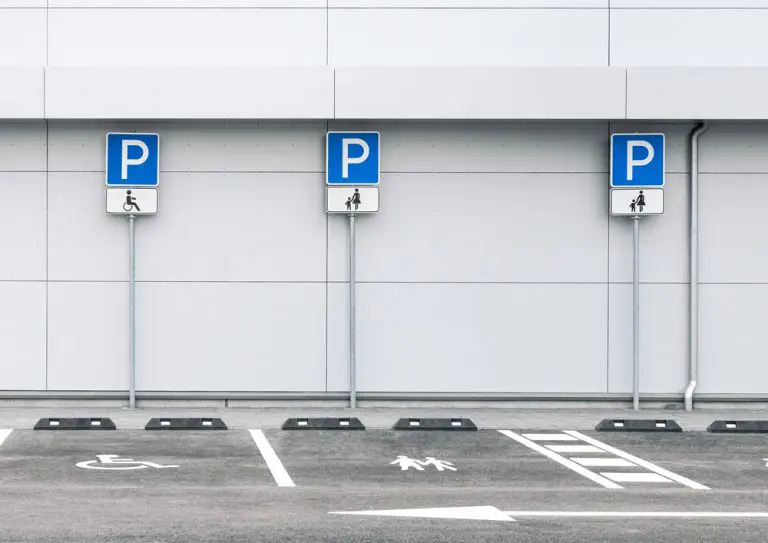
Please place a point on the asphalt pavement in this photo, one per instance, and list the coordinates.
(267, 484)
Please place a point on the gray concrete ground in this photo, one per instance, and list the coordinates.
(276, 485)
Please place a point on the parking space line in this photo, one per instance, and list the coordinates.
(549, 437)
(270, 457)
(603, 462)
(4, 435)
(574, 448)
(639, 461)
(599, 479)
(630, 477)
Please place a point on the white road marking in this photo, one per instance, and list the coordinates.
(607, 483)
(4, 435)
(270, 457)
(549, 437)
(639, 461)
(639, 514)
(574, 448)
(489, 512)
(629, 477)
(597, 462)
(483, 512)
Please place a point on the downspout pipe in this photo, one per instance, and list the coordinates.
(693, 363)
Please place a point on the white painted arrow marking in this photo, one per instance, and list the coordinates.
(489, 512)
(640, 514)
(482, 512)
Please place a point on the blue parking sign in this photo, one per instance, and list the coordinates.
(133, 159)
(352, 158)
(637, 160)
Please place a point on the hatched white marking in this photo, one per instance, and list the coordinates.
(607, 483)
(549, 437)
(4, 435)
(642, 477)
(604, 462)
(639, 461)
(574, 448)
(270, 457)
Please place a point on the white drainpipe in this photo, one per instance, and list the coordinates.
(693, 369)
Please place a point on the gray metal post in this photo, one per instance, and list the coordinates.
(132, 308)
(636, 314)
(352, 323)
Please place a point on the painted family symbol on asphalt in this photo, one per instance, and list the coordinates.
(406, 463)
(114, 462)
(353, 200)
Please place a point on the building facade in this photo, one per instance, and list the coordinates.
(493, 268)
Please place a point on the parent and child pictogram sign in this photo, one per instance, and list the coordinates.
(353, 171)
(637, 174)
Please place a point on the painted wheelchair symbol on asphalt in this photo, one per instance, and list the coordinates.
(114, 462)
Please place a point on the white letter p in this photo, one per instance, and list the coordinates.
(631, 162)
(133, 161)
(345, 158)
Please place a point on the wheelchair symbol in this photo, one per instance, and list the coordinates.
(130, 202)
(114, 462)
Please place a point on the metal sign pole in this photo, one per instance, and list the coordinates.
(132, 308)
(352, 323)
(636, 314)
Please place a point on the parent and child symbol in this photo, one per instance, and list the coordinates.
(353, 200)
(638, 203)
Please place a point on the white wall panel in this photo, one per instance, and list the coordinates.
(488, 147)
(22, 37)
(697, 93)
(189, 93)
(733, 228)
(663, 338)
(22, 146)
(732, 332)
(684, 37)
(22, 335)
(480, 93)
(187, 4)
(476, 4)
(664, 239)
(22, 92)
(229, 227)
(22, 4)
(22, 226)
(734, 148)
(84, 244)
(479, 338)
(197, 146)
(691, 4)
(88, 336)
(80, 146)
(480, 228)
(236, 227)
(226, 336)
(482, 37)
(212, 37)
